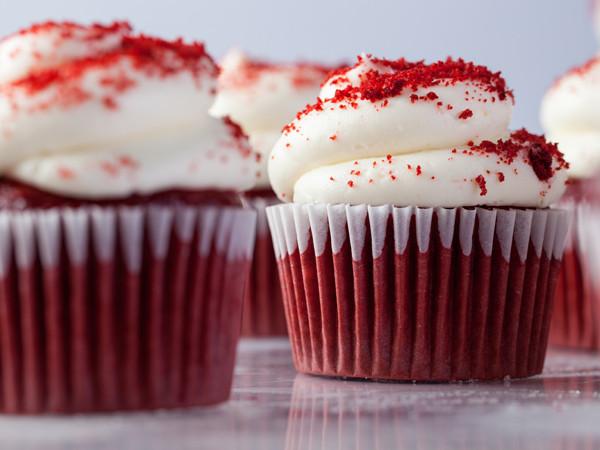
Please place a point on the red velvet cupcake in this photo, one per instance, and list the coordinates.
(570, 115)
(419, 244)
(124, 251)
(262, 97)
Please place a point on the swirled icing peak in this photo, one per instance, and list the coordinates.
(411, 133)
(570, 115)
(76, 101)
(262, 96)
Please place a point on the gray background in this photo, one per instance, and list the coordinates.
(531, 41)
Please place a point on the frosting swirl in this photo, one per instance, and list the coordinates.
(410, 133)
(99, 112)
(262, 97)
(570, 115)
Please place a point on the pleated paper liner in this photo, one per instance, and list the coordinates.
(263, 305)
(576, 322)
(120, 308)
(428, 294)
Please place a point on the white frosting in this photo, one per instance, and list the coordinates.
(112, 127)
(262, 100)
(570, 115)
(338, 137)
(50, 45)
(262, 142)
(453, 183)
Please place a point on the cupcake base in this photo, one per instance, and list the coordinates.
(264, 315)
(576, 322)
(413, 294)
(112, 309)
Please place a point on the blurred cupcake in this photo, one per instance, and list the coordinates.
(123, 252)
(570, 115)
(262, 97)
(595, 12)
(419, 245)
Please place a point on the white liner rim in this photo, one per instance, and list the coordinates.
(294, 225)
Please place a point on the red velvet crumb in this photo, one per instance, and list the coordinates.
(466, 114)
(480, 181)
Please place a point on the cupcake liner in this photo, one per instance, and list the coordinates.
(120, 308)
(576, 322)
(427, 294)
(264, 314)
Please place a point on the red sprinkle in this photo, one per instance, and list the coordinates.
(351, 183)
(152, 56)
(239, 136)
(65, 173)
(301, 74)
(419, 171)
(95, 31)
(581, 70)
(500, 177)
(405, 76)
(128, 162)
(110, 168)
(413, 75)
(480, 180)
(466, 114)
(110, 103)
(540, 154)
(333, 137)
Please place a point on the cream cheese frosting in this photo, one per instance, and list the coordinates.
(99, 112)
(570, 115)
(403, 133)
(262, 97)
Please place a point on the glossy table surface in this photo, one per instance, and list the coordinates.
(274, 408)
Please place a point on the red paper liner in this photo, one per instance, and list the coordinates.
(263, 314)
(576, 322)
(418, 294)
(132, 308)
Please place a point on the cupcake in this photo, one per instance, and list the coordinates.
(124, 248)
(595, 13)
(262, 97)
(569, 115)
(418, 244)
